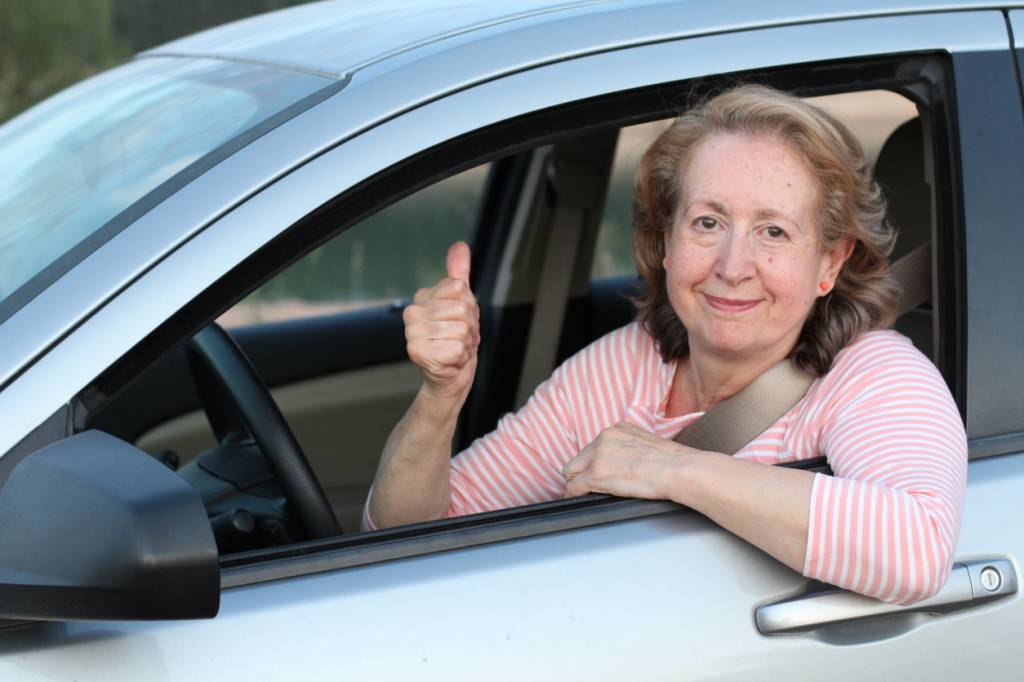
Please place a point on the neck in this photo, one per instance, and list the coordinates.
(703, 379)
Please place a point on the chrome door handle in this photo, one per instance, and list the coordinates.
(970, 583)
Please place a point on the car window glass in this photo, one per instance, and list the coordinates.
(872, 115)
(383, 259)
(82, 158)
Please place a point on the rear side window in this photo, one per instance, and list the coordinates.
(382, 260)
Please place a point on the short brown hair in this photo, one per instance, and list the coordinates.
(850, 206)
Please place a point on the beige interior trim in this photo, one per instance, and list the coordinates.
(341, 421)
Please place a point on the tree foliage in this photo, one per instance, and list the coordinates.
(46, 45)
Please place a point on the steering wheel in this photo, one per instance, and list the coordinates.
(237, 403)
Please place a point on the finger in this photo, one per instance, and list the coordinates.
(458, 260)
(578, 464)
(452, 287)
(576, 487)
(434, 355)
(445, 288)
(434, 330)
(443, 309)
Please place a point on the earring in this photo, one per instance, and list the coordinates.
(823, 285)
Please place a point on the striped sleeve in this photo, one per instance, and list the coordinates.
(886, 523)
(521, 461)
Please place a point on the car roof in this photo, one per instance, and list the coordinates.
(337, 37)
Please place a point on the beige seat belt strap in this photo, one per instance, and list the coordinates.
(732, 423)
(914, 273)
(576, 183)
(552, 296)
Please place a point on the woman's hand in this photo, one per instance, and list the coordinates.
(765, 505)
(627, 461)
(442, 330)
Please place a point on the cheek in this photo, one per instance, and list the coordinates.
(688, 262)
(791, 283)
(679, 278)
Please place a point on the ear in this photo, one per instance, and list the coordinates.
(832, 260)
(666, 243)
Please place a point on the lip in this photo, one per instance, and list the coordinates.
(731, 305)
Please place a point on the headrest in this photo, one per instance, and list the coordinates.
(901, 174)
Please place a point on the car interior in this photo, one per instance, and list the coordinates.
(548, 223)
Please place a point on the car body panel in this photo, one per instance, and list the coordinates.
(665, 597)
(992, 140)
(341, 37)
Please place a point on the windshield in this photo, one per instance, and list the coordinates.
(76, 162)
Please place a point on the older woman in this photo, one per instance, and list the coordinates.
(760, 235)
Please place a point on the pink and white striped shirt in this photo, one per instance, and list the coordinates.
(884, 525)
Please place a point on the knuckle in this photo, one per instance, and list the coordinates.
(455, 354)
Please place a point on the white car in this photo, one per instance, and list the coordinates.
(296, 176)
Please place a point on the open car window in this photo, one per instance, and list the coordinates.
(336, 362)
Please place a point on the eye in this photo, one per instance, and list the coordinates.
(775, 232)
(707, 223)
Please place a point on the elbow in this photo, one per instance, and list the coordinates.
(914, 591)
(915, 583)
(906, 582)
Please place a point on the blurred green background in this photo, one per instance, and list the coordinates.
(46, 45)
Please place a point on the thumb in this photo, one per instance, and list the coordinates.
(457, 261)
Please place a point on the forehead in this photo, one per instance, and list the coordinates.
(755, 172)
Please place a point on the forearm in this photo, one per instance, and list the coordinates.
(765, 505)
(411, 483)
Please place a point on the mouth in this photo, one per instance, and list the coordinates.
(731, 305)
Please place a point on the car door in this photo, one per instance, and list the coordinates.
(604, 588)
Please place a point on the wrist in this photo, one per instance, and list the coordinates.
(686, 476)
(439, 408)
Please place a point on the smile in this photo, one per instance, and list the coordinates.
(730, 305)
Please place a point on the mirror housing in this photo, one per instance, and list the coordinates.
(92, 528)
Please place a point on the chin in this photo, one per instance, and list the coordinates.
(724, 347)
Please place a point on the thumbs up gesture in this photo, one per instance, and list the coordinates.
(442, 330)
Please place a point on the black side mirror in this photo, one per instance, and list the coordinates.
(93, 529)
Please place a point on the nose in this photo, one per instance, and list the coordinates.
(735, 258)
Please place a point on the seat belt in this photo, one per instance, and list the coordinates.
(732, 423)
(576, 184)
(914, 273)
(549, 309)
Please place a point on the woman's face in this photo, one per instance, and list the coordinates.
(744, 262)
